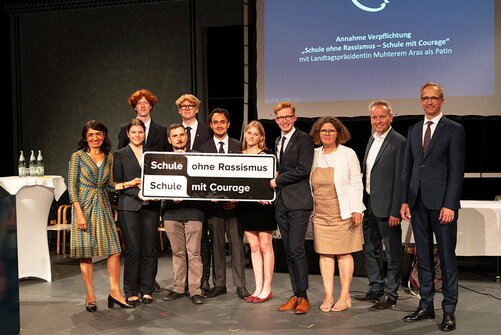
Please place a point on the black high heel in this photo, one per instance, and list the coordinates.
(91, 307)
(112, 301)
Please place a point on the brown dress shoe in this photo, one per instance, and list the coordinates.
(289, 305)
(303, 306)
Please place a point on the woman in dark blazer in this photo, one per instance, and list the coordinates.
(138, 219)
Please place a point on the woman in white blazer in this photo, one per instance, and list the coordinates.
(336, 185)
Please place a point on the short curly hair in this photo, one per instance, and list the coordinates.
(188, 97)
(343, 134)
(139, 94)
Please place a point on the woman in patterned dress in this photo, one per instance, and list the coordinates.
(93, 230)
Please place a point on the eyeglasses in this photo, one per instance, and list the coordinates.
(187, 107)
(432, 99)
(284, 118)
(327, 131)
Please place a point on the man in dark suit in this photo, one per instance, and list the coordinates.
(432, 178)
(197, 133)
(222, 216)
(293, 205)
(382, 170)
(142, 101)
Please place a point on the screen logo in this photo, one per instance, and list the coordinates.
(370, 9)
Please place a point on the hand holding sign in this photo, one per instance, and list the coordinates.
(201, 176)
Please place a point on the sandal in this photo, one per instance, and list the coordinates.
(326, 306)
(341, 305)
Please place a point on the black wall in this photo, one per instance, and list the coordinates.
(72, 62)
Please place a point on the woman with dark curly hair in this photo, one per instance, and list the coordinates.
(336, 184)
(93, 230)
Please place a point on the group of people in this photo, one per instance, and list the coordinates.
(351, 207)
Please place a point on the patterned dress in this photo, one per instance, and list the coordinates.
(89, 185)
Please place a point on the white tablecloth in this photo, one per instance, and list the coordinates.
(33, 200)
(479, 229)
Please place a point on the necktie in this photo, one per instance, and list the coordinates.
(282, 148)
(427, 137)
(188, 134)
(221, 149)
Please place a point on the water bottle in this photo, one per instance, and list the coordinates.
(22, 165)
(33, 164)
(40, 166)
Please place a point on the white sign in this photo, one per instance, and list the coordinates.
(202, 176)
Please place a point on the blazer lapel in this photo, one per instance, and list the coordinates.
(383, 147)
(438, 130)
(367, 148)
(132, 157)
(291, 142)
(213, 145)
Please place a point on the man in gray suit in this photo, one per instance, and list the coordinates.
(382, 169)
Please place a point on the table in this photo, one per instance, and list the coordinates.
(34, 197)
(479, 229)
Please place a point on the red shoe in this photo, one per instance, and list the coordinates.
(250, 298)
(258, 300)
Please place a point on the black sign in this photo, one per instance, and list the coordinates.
(201, 176)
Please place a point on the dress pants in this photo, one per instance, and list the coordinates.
(206, 250)
(185, 240)
(377, 230)
(223, 222)
(140, 232)
(293, 226)
(425, 223)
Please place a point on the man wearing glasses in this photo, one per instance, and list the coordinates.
(197, 133)
(432, 178)
(293, 205)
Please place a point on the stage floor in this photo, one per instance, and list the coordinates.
(58, 308)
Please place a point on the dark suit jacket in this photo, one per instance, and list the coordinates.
(156, 141)
(439, 172)
(234, 146)
(293, 186)
(386, 175)
(125, 168)
(204, 133)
